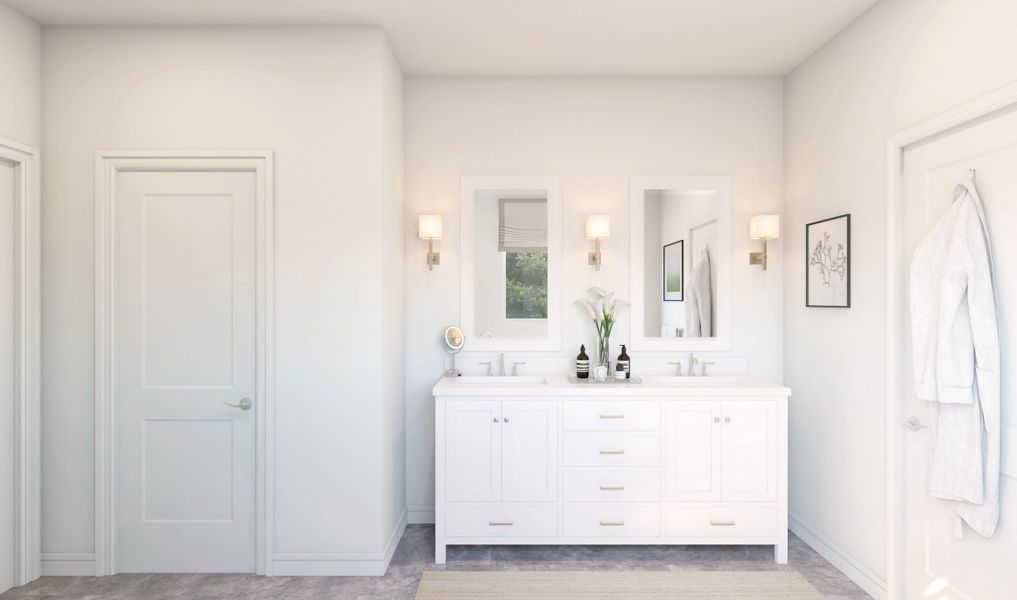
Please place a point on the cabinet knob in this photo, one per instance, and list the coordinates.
(496, 419)
(506, 420)
(716, 419)
(727, 419)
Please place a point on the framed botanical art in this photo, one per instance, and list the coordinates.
(674, 272)
(828, 262)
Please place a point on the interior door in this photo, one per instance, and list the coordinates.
(184, 363)
(935, 564)
(7, 197)
(473, 450)
(529, 450)
(750, 450)
(693, 450)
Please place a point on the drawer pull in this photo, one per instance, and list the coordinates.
(612, 523)
(722, 523)
(608, 487)
(612, 452)
(606, 416)
(501, 523)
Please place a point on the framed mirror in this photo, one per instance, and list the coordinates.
(680, 263)
(510, 268)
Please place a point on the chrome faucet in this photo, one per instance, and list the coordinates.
(678, 366)
(692, 364)
(501, 364)
(515, 367)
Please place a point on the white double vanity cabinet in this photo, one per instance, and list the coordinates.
(541, 460)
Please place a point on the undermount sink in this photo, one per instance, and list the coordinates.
(696, 380)
(503, 379)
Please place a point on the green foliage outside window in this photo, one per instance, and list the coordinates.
(526, 285)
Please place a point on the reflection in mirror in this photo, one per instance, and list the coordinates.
(680, 233)
(510, 263)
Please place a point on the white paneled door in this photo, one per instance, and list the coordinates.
(694, 450)
(184, 364)
(7, 380)
(936, 565)
(529, 450)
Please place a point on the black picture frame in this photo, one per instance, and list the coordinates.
(680, 250)
(828, 262)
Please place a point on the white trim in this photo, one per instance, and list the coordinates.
(992, 102)
(26, 360)
(365, 564)
(107, 164)
(469, 185)
(420, 514)
(721, 257)
(67, 565)
(836, 556)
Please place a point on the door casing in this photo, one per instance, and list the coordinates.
(26, 360)
(107, 165)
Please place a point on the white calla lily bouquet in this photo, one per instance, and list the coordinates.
(604, 310)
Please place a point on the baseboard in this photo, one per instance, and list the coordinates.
(340, 564)
(855, 571)
(70, 565)
(420, 514)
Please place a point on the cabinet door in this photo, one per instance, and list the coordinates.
(472, 450)
(529, 450)
(693, 450)
(750, 450)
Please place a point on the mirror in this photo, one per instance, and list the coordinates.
(510, 262)
(680, 262)
(454, 342)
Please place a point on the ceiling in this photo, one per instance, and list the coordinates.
(524, 37)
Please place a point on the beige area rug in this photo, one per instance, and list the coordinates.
(630, 585)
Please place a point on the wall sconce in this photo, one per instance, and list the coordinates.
(598, 227)
(429, 228)
(763, 227)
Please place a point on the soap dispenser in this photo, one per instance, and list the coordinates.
(624, 365)
(582, 364)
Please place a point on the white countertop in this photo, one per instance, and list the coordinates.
(554, 386)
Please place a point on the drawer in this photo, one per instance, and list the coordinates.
(612, 486)
(721, 521)
(612, 521)
(612, 415)
(500, 520)
(612, 451)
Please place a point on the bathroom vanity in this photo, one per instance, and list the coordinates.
(673, 460)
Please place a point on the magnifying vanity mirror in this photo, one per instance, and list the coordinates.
(680, 270)
(454, 341)
(511, 262)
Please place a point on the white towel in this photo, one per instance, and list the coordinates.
(956, 358)
(698, 311)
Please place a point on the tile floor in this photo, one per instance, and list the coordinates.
(415, 554)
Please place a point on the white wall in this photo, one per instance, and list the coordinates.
(901, 62)
(595, 134)
(20, 78)
(328, 103)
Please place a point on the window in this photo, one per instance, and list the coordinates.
(526, 285)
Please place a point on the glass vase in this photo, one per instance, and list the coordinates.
(604, 353)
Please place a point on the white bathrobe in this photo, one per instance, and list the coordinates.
(698, 310)
(956, 359)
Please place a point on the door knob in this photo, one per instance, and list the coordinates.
(244, 404)
(914, 424)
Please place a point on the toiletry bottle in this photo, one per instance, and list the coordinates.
(624, 364)
(582, 364)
